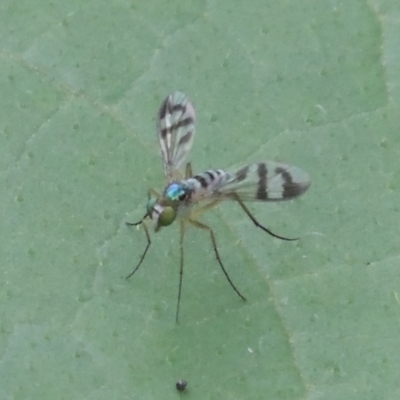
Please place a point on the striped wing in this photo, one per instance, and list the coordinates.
(263, 181)
(175, 128)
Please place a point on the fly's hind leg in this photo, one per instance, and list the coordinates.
(234, 196)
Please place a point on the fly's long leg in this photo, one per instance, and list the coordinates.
(182, 235)
(200, 225)
(141, 222)
(146, 231)
(256, 223)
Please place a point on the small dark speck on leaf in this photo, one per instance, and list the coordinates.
(181, 385)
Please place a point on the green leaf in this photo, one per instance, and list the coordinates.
(315, 84)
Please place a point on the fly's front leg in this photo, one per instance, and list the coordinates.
(146, 231)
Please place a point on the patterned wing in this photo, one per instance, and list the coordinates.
(263, 181)
(175, 128)
(266, 181)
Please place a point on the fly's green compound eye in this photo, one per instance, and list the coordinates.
(150, 205)
(167, 216)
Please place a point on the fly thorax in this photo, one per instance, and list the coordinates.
(174, 201)
(176, 194)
